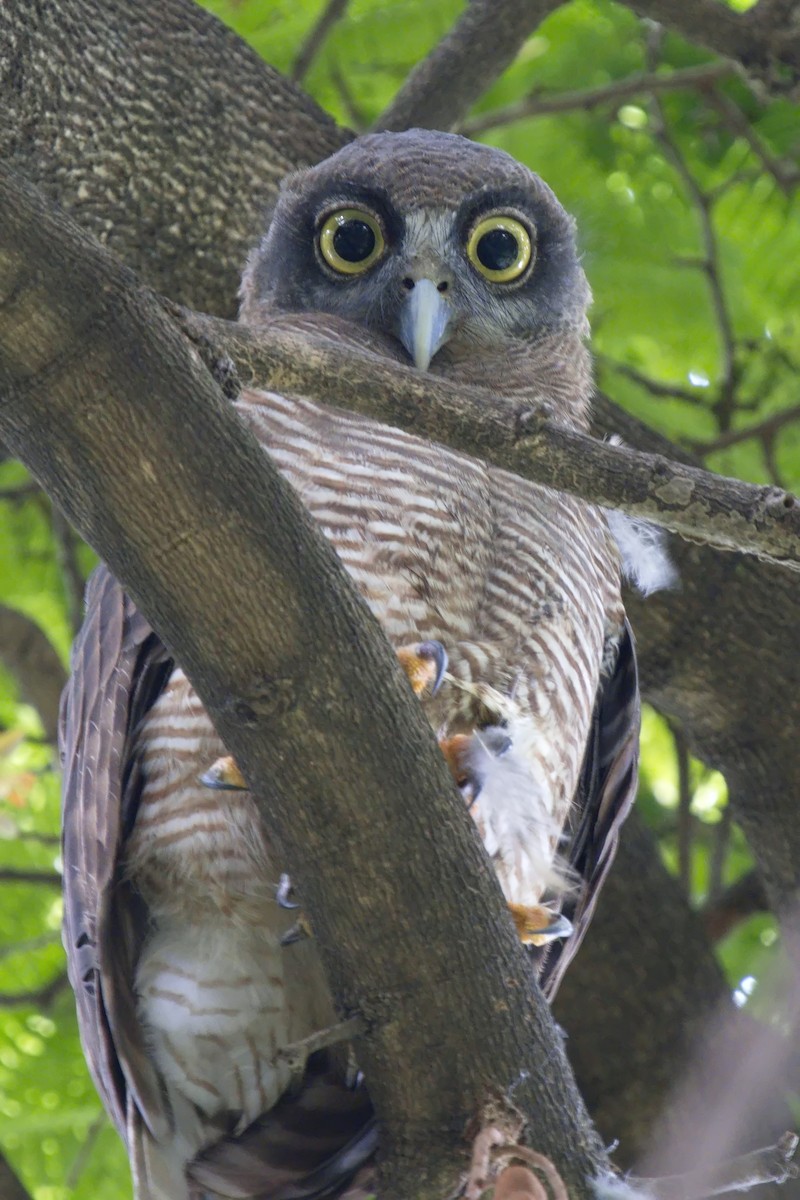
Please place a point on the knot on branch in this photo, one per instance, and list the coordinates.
(269, 697)
(217, 361)
(778, 501)
(528, 421)
(502, 1169)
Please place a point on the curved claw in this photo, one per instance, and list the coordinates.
(434, 652)
(224, 775)
(297, 932)
(424, 664)
(537, 925)
(283, 891)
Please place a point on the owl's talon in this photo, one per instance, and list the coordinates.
(537, 925)
(299, 932)
(283, 891)
(224, 775)
(424, 664)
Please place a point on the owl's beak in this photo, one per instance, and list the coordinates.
(424, 322)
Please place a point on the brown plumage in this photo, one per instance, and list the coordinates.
(420, 245)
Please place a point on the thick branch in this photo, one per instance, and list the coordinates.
(302, 686)
(164, 133)
(440, 91)
(30, 657)
(765, 39)
(708, 508)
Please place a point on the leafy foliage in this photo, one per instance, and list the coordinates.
(689, 222)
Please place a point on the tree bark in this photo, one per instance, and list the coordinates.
(713, 509)
(304, 689)
(30, 657)
(159, 128)
(465, 63)
(765, 39)
(151, 121)
(700, 649)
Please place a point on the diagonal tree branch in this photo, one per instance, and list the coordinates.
(709, 508)
(179, 193)
(91, 366)
(30, 657)
(440, 91)
(333, 11)
(540, 104)
(765, 39)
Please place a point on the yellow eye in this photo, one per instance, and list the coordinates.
(350, 241)
(500, 248)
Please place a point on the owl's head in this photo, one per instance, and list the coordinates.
(426, 237)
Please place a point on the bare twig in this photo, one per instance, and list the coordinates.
(441, 89)
(725, 403)
(667, 391)
(734, 905)
(333, 11)
(785, 175)
(22, 491)
(40, 839)
(84, 1151)
(31, 945)
(542, 105)
(31, 658)
(732, 437)
(684, 811)
(41, 997)
(719, 854)
(772, 1164)
(12, 875)
(355, 114)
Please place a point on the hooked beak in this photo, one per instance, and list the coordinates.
(424, 322)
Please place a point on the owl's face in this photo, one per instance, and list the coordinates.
(427, 237)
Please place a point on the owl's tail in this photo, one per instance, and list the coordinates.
(310, 1145)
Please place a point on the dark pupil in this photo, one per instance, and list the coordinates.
(498, 250)
(354, 241)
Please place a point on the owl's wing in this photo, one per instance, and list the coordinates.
(314, 1139)
(119, 667)
(606, 792)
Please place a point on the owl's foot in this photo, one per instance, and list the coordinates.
(299, 932)
(224, 775)
(537, 925)
(470, 756)
(425, 664)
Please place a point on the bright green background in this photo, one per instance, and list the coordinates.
(652, 312)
